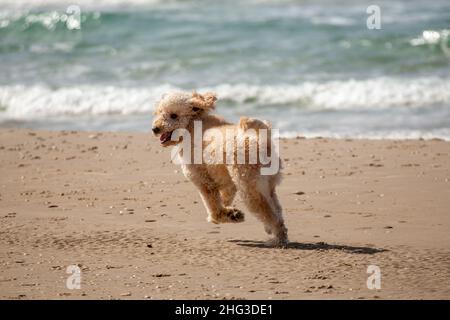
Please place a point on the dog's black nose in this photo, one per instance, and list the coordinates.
(156, 130)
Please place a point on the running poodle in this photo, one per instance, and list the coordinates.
(219, 180)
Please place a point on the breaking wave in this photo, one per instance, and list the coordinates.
(29, 102)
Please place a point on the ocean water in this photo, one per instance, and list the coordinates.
(310, 67)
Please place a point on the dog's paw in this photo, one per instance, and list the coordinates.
(227, 215)
(278, 243)
(236, 215)
(232, 215)
(281, 238)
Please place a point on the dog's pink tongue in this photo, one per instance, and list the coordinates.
(164, 136)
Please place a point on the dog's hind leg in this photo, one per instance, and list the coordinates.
(210, 193)
(258, 193)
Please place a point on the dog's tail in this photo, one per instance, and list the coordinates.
(246, 123)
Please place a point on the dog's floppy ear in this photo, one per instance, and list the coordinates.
(203, 102)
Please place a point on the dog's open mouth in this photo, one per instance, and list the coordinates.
(165, 137)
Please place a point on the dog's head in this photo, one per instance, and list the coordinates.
(177, 110)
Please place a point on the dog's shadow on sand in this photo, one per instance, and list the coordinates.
(310, 246)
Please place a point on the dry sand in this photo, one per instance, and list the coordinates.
(113, 204)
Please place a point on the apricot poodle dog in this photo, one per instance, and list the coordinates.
(219, 180)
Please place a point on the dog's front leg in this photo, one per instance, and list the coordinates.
(210, 194)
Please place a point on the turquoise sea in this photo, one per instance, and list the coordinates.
(311, 67)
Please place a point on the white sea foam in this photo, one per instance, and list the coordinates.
(333, 21)
(377, 93)
(29, 102)
(26, 4)
(443, 134)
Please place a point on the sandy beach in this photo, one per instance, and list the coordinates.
(114, 205)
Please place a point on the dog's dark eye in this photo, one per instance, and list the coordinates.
(195, 109)
(173, 116)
